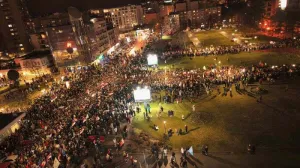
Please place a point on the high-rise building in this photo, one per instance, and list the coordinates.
(55, 32)
(126, 17)
(105, 34)
(200, 17)
(15, 25)
(291, 5)
(80, 33)
(98, 37)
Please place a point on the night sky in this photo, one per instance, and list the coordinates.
(38, 7)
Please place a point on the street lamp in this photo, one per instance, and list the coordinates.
(165, 126)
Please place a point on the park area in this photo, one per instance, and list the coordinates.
(228, 123)
(275, 57)
(212, 37)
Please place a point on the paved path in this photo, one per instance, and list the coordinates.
(229, 36)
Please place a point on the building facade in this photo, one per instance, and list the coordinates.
(200, 17)
(98, 37)
(15, 25)
(126, 17)
(171, 24)
(166, 9)
(36, 63)
(80, 34)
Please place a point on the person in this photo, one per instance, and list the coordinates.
(148, 108)
(173, 158)
(193, 107)
(116, 130)
(182, 151)
(180, 131)
(182, 117)
(183, 162)
(115, 142)
(251, 149)
(138, 109)
(125, 156)
(108, 157)
(165, 152)
(131, 159)
(205, 150)
(186, 128)
(155, 127)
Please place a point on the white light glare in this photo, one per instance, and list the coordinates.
(283, 4)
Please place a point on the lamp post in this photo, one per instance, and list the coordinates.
(165, 126)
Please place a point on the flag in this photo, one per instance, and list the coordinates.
(56, 163)
(191, 151)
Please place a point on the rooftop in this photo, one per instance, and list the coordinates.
(37, 54)
(6, 118)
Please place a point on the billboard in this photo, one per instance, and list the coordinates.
(142, 94)
(152, 59)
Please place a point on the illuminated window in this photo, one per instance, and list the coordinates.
(12, 34)
(43, 36)
(22, 49)
(6, 17)
(11, 29)
(21, 45)
(10, 25)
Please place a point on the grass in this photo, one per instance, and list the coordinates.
(212, 37)
(248, 59)
(236, 121)
(260, 38)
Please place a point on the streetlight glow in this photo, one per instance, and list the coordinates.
(283, 4)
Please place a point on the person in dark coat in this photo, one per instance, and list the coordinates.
(186, 128)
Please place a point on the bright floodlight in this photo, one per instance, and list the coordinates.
(152, 59)
(283, 4)
(142, 94)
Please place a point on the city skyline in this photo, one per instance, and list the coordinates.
(37, 7)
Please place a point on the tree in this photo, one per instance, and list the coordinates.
(279, 19)
(249, 11)
(254, 11)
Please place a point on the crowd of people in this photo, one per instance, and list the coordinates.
(70, 120)
(35, 84)
(234, 49)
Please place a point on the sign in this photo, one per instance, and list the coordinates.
(152, 59)
(142, 94)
